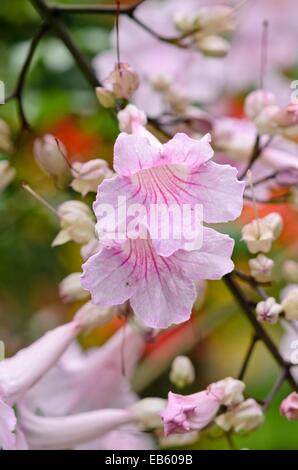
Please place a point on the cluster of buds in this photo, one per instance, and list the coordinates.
(190, 413)
(207, 27)
(269, 118)
(7, 174)
(177, 101)
(261, 232)
(122, 82)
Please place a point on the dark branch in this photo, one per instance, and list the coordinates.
(95, 9)
(247, 357)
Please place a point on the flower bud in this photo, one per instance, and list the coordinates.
(77, 223)
(160, 82)
(290, 271)
(5, 138)
(261, 268)
(245, 417)
(268, 311)
(130, 117)
(148, 411)
(123, 81)
(215, 19)
(70, 288)
(88, 175)
(290, 304)
(289, 407)
(287, 120)
(275, 222)
(105, 97)
(184, 23)
(49, 154)
(182, 372)
(232, 391)
(256, 101)
(91, 316)
(7, 174)
(177, 101)
(213, 46)
(264, 121)
(258, 236)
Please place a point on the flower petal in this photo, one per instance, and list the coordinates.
(181, 149)
(133, 153)
(8, 423)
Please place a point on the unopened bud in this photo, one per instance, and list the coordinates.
(88, 175)
(244, 417)
(231, 391)
(76, 222)
(258, 236)
(182, 372)
(130, 117)
(123, 81)
(289, 407)
(70, 288)
(50, 155)
(290, 304)
(261, 268)
(256, 101)
(275, 222)
(290, 271)
(268, 310)
(213, 46)
(215, 19)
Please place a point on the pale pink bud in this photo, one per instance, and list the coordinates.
(256, 101)
(290, 304)
(261, 268)
(268, 310)
(215, 19)
(182, 372)
(213, 46)
(77, 224)
(289, 407)
(88, 175)
(265, 120)
(258, 236)
(287, 116)
(290, 271)
(244, 417)
(123, 81)
(232, 391)
(70, 288)
(7, 174)
(50, 154)
(275, 222)
(130, 117)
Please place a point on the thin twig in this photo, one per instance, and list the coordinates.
(95, 9)
(247, 357)
(278, 384)
(239, 295)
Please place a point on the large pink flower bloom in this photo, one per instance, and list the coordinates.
(161, 289)
(190, 412)
(176, 174)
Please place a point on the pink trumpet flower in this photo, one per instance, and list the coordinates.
(22, 371)
(83, 401)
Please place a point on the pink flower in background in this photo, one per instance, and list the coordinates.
(203, 82)
(289, 407)
(191, 412)
(22, 371)
(81, 401)
(161, 289)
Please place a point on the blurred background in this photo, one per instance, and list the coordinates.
(58, 100)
